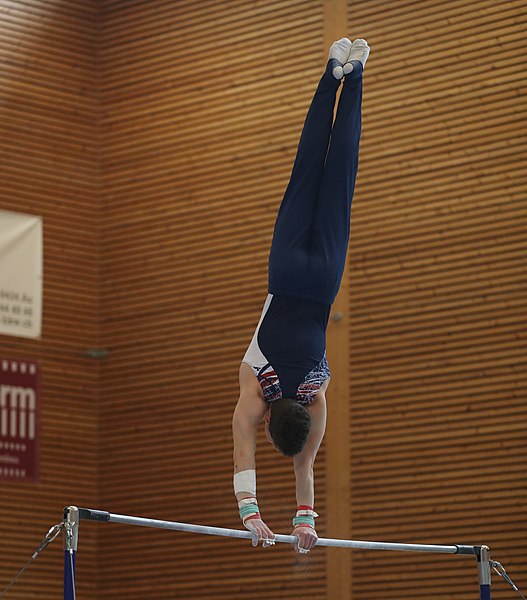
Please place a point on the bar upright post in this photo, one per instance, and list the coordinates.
(484, 572)
(71, 540)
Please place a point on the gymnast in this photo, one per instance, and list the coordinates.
(284, 374)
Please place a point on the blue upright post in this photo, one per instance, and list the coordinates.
(71, 539)
(484, 572)
(69, 574)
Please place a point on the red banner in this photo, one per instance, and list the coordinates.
(19, 419)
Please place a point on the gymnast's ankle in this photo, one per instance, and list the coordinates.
(353, 72)
(334, 70)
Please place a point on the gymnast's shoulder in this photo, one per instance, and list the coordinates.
(248, 380)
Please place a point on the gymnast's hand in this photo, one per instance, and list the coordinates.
(307, 538)
(260, 532)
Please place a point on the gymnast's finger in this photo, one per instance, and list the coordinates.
(267, 538)
(269, 535)
(262, 535)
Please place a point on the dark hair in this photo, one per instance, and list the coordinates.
(289, 426)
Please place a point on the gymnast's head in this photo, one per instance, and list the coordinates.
(287, 426)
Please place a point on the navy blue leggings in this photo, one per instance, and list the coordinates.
(311, 233)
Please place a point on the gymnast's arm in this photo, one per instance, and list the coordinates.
(249, 412)
(245, 421)
(304, 463)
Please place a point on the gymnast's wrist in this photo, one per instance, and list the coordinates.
(248, 509)
(305, 517)
(245, 484)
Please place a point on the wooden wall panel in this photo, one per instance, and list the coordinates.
(49, 167)
(437, 301)
(156, 139)
(203, 104)
(337, 439)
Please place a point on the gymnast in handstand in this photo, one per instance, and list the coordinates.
(284, 374)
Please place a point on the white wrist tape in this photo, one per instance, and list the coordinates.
(247, 502)
(245, 481)
(306, 513)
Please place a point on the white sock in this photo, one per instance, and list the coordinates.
(340, 52)
(359, 51)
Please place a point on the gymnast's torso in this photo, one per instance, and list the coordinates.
(288, 351)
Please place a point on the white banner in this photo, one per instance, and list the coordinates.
(20, 274)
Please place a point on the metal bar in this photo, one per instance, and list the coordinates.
(98, 515)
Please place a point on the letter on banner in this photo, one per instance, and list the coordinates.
(20, 274)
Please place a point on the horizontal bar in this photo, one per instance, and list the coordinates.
(103, 516)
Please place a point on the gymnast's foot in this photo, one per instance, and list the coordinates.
(338, 55)
(359, 52)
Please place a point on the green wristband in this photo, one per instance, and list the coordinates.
(248, 509)
(304, 520)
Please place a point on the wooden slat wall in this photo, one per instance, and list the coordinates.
(203, 103)
(49, 167)
(438, 298)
